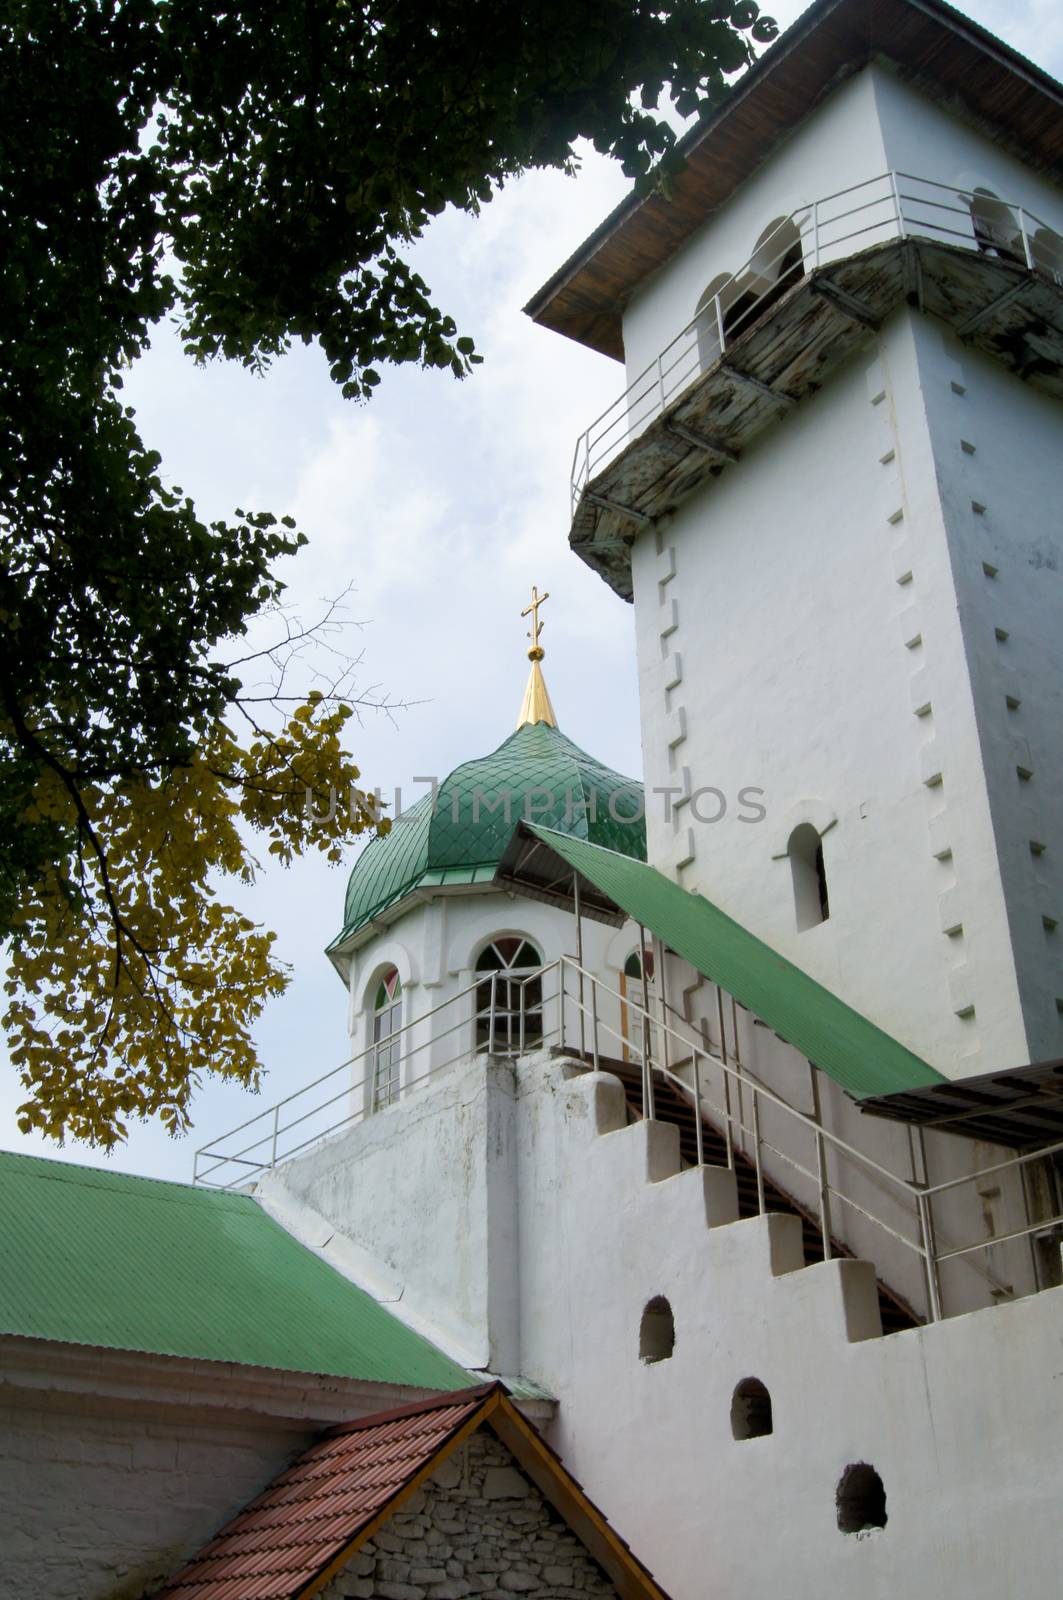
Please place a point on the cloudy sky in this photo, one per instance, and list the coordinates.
(441, 503)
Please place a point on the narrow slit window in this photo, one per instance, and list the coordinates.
(809, 871)
(656, 1331)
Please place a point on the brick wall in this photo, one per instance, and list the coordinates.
(478, 1527)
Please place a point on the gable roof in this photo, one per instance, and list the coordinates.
(928, 43)
(304, 1527)
(101, 1258)
(845, 1045)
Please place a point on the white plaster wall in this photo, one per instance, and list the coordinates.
(960, 1419)
(921, 138)
(840, 146)
(793, 621)
(415, 1188)
(846, 658)
(115, 1467)
(996, 444)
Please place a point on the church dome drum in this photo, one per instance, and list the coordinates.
(458, 834)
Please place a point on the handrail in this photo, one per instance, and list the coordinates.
(887, 208)
(926, 1247)
(351, 1061)
(760, 1143)
(1001, 1166)
(749, 1076)
(583, 997)
(738, 1077)
(215, 1159)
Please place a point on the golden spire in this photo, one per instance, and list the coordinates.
(536, 705)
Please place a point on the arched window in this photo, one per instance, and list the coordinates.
(509, 1006)
(805, 849)
(1046, 247)
(656, 1331)
(710, 319)
(996, 229)
(387, 1020)
(861, 1499)
(751, 1410)
(777, 262)
(739, 305)
(730, 305)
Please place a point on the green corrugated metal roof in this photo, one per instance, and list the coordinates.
(842, 1043)
(464, 836)
(101, 1258)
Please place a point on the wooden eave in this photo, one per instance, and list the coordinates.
(530, 869)
(541, 1464)
(302, 1529)
(947, 56)
(1021, 1108)
(997, 306)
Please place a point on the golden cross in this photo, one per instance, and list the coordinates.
(533, 612)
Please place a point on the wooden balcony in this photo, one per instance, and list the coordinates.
(700, 415)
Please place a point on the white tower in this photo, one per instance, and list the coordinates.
(831, 488)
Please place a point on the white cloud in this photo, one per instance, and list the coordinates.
(372, 521)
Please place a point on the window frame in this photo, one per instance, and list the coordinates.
(516, 1028)
(386, 1027)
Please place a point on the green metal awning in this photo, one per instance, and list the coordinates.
(853, 1051)
(102, 1258)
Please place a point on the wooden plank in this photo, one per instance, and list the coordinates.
(1018, 320)
(702, 441)
(624, 512)
(847, 303)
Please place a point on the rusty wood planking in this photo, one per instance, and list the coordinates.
(701, 441)
(795, 346)
(850, 306)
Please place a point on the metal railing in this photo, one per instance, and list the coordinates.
(667, 1054)
(673, 1053)
(426, 1045)
(895, 205)
(573, 1010)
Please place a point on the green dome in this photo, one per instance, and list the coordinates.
(537, 773)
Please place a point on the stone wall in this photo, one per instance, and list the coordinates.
(477, 1527)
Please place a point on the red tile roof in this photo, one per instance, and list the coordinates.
(308, 1515)
(299, 1532)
